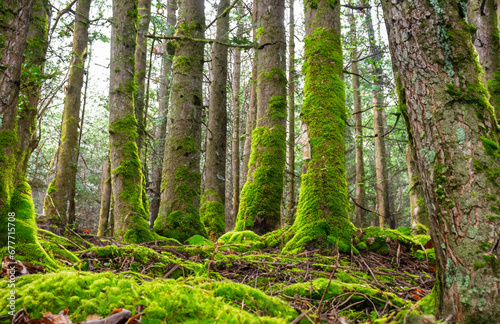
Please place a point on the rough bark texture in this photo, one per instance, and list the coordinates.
(291, 117)
(322, 217)
(458, 162)
(378, 126)
(262, 193)
(252, 111)
(180, 199)
(17, 124)
(105, 199)
(144, 7)
(418, 211)
(61, 191)
(214, 199)
(130, 215)
(161, 129)
(483, 16)
(358, 120)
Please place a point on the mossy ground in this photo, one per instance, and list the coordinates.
(240, 278)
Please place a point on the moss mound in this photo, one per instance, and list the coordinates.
(243, 240)
(165, 300)
(382, 240)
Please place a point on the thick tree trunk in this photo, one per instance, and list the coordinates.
(358, 120)
(322, 210)
(418, 211)
(483, 16)
(105, 199)
(180, 199)
(214, 198)
(130, 216)
(261, 196)
(291, 117)
(61, 191)
(161, 130)
(144, 7)
(458, 162)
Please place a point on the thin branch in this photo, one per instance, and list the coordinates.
(60, 14)
(222, 14)
(359, 75)
(210, 41)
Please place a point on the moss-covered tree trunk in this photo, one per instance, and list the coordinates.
(18, 122)
(291, 116)
(358, 120)
(102, 230)
(322, 211)
(252, 111)
(450, 117)
(144, 9)
(214, 199)
(61, 191)
(161, 129)
(483, 16)
(130, 216)
(180, 199)
(418, 212)
(262, 193)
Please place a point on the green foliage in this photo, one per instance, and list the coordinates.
(198, 240)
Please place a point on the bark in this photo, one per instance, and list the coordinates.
(483, 16)
(180, 199)
(61, 191)
(214, 198)
(417, 207)
(260, 202)
(322, 217)
(358, 120)
(130, 216)
(449, 116)
(252, 111)
(378, 127)
(144, 7)
(161, 130)
(291, 117)
(105, 199)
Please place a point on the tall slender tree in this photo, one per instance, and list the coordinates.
(262, 193)
(180, 199)
(322, 211)
(291, 116)
(130, 216)
(418, 212)
(214, 198)
(458, 158)
(103, 227)
(60, 197)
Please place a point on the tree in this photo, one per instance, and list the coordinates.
(481, 14)
(322, 211)
(17, 120)
(161, 129)
(458, 159)
(214, 198)
(130, 216)
(103, 228)
(60, 198)
(180, 199)
(291, 115)
(262, 193)
(418, 212)
(144, 7)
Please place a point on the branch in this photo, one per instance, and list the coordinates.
(359, 75)
(225, 12)
(60, 14)
(210, 41)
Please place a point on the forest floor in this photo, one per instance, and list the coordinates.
(236, 280)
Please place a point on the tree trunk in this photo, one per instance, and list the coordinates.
(458, 162)
(214, 199)
(261, 196)
(291, 117)
(358, 120)
(180, 199)
(252, 110)
(417, 207)
(105, 199)
(130, 216)
(161, 129)
(144, 7)
(322, 210)
(61, 191)
(482, 15)
(378, 125)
